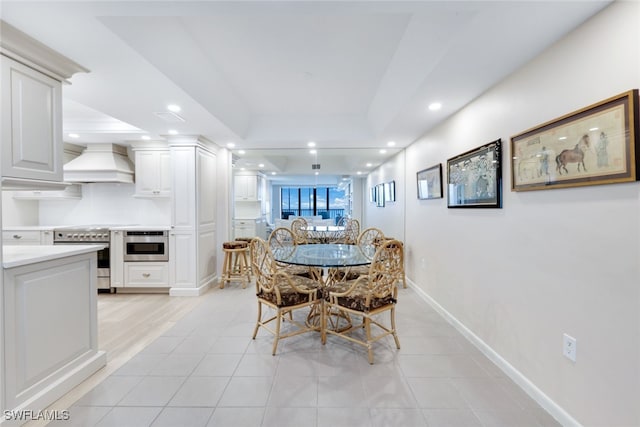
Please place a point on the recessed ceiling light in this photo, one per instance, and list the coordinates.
(74, 135)
(241, 152)
(261, 165)
(369, 165)
(173, 132)
(230, 144)
(435, 106)
(242, 169)
(273, 173)
(174, 108)
(313, 151)
(311, 144)
(145, 137)
(317, 173)
(391, 143)
(359, 172)
(383, 151)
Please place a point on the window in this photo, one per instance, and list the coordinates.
(329, 202)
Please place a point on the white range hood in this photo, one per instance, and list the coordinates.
(100, 163)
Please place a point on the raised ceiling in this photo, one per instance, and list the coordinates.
(274, 75)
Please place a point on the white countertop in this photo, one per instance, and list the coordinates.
(141, 227)
(28, 228)
(16, 256)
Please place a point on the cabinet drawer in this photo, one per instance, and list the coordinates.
(21, 237)
(146, 274)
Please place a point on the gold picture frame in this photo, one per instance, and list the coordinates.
(595, 145)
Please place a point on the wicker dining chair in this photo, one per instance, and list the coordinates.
(351, 232)
(282, 293)
(283, 243)
(299, 230)
(368, 241)
(367, 297)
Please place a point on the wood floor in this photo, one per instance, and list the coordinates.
(127, 323)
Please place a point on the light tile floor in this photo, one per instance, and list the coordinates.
(207, 371)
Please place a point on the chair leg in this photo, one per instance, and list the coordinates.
(323, 324)
(393, 327)
(367, 328)
(277, 337)
(225, 269)
(247, 266)
(255, 331)
(241, 260)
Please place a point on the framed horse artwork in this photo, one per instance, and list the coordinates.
(595, 145)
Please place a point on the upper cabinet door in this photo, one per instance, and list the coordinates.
(246, 187)
(153, 173)
(31, 123)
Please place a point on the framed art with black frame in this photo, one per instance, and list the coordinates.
(429, 183)
(474, 178)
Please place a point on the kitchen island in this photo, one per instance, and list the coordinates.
(49, 326)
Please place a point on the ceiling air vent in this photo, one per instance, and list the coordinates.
(315, 166)
(169, 117)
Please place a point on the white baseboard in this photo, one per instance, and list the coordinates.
(192, 292)
(555, 410)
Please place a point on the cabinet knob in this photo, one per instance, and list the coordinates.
(17, 236)
(146, 274)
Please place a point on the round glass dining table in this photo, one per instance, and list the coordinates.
(324, 255)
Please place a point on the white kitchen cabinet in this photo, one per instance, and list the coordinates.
(193, 244)
(249, 228)
(27, 237)
(116, 258)
(31, 123)
(48, 324)
(146, 274)
(153, 173)
(247, 187)
(31, 76)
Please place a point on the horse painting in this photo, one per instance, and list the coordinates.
(574, 155)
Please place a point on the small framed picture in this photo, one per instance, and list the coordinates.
(430, 183)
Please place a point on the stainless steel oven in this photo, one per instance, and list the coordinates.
(83, 235)
(146, 246)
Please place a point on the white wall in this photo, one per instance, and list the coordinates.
(390, 218)
(549, 262)
(106, 204)
(18, 212)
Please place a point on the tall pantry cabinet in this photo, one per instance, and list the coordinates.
(193, 227)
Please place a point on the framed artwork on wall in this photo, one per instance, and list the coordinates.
(372, 194)
(474, 178)
(390, 191)
(595, 145)
(429, 182)
(380, 195)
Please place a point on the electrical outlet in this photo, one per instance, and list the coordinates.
(569, 347)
